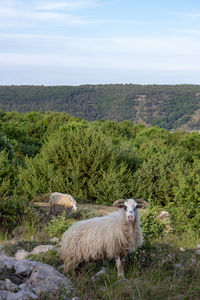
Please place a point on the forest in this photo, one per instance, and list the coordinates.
(173, 107)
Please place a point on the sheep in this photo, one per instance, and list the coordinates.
(107, 237)
(64, 200)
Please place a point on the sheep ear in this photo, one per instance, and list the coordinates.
(119, 203)
(142, 202)
(120, 206)
(140, 206)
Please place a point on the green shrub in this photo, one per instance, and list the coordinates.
(58, 225)
(11, 212)
(7, 146)
(185, 207)
(8, 174)
(152, 227)
(79, 161)
(156, 179)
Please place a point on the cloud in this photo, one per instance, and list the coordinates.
(67, 5)
(14, 14)
(156, 54)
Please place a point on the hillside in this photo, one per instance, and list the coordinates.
(168, 106)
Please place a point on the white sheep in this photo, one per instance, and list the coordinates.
(64, 200)
(111, 236)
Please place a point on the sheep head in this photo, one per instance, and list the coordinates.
(130, 207)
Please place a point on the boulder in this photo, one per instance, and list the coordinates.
(28, 279)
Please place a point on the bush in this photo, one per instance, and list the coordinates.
(11, 212)
(152, 227)
(186, 203)
(6, 145)
(79, 161)
(8, 174)
(58, 225)
(156, 179)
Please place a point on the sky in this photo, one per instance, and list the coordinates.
(75, 42)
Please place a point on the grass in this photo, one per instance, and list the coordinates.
(185, 240)
(160, 270)
(157, 271)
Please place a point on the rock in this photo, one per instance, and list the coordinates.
(198, 246)
(54, 240)
(42, 249)
(28, 279)
(102, 271)
(21, 254)
(164, 216)
(182, 249)
(21, 295)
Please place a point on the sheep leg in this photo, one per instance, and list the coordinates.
(120, 266)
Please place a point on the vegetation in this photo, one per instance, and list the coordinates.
(99, 162)
(166, 106)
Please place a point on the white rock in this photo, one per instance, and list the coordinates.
(102, 271)
(21, 254)
(42, 249)
(54, 240)
(163, 215)
(198, 246)
(182, 249)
